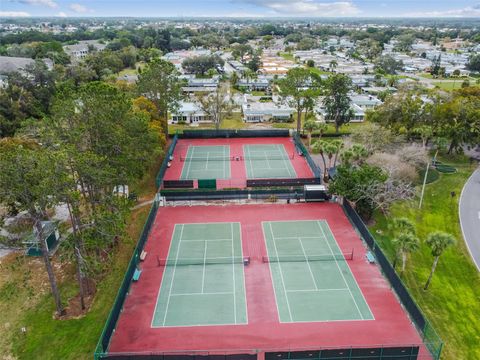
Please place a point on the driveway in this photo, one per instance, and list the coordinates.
(469, 211)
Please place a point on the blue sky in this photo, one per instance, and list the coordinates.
(242, 8)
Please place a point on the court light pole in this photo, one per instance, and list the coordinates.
(423, 187)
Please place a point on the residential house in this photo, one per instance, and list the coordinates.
(189, 113)
(365, 102)
(254, 110)
(199, 85)
(358, 113)
(10, 64)
(261, 83)
(82, 49)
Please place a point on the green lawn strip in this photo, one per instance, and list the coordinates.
(47, 338)
(287, 56)
(233, 121)
(318, 71)
(451, 303)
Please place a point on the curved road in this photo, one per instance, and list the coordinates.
(469, 210)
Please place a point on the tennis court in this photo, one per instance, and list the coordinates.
(268, 161)
(203, 280)
(206, 162)
(311, 277)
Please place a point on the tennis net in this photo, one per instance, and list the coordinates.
(268, 157)
(207, 158)
(264, 157)
(308, 258)
(201, 261)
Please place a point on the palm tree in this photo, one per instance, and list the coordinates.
(402, 228)
(405, 243)
(336, 146)
(359, 153)
(438, 241)
(333, 65)
(322, 127)
(309, 126)
(321, 147)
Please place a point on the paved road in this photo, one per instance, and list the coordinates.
(470, 216)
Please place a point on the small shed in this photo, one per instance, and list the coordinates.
(52, 238)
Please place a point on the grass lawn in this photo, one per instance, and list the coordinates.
(25, 299)
(317, 71)
(452, 301)
(287, 56)
(130, 71)
(451, 85)
(234, 121)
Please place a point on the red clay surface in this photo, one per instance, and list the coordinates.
(238, 171)
(263, 331)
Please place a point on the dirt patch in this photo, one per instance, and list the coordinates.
(74, 310)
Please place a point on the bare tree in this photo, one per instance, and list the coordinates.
(383, 194)
(217, 105)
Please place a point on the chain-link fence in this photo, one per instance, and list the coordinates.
(430, 337)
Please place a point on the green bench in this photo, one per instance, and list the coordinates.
(136, 274)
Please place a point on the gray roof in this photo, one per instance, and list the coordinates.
(266, 108)
(9, 64)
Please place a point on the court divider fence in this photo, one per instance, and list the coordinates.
(254, 194)
(303, 150)
(102, 345)
(282, 182)
(164, 166)
(430, 338)
(232, 133)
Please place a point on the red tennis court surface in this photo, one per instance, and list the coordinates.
(238, 171)
(264, 332)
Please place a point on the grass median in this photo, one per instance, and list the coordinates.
(451, 302)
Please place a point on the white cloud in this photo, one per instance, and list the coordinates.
(14, 14)
(78, 8)
(49, 3)
(307, 7)
(469, 11)
(62, 14)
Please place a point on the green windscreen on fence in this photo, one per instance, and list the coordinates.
(314, 167)
(430, 338)
(207, 183)
(164, 166)
(103, 342)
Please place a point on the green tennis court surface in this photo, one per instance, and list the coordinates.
(206, 162)
(203, 282)
(268, 161)
(311, 278)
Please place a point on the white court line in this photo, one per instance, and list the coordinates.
(318, 290)
(233, 272)
(246, 152)
(243, 273)
(173, 276)
(206, 240)
(223, 165)
(204, 260)
(268, 161)
(281, 274)
(288, 165)
(163, 277)
(341, 273)
(189, 159)
(204, 293)
(351, 273)
(295, 237)
(308, 263)
(206, 162)
(271, 271)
